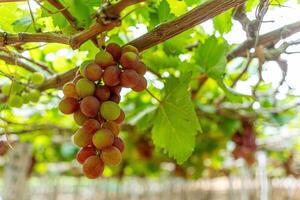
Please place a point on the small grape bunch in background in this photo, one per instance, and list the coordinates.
(93, 97)
(17, 94)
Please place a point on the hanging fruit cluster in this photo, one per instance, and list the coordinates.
(245, 144)
(93, 97)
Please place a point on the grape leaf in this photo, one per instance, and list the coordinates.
(23, 24)
(223, 22)
(58, 19)
(211, 56)
(164, 11)
(9, 14)
(177, 7)
(80, 11)
(251, 4)
(175, 122)
(192, 2)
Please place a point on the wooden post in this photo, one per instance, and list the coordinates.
(15, 175)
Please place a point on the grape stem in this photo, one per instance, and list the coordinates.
(152, 95)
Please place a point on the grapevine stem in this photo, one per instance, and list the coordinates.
(152, 95)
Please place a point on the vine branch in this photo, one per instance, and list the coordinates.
(106, 20)
(159, 34)
(265, 40)
(65, 13)
(192, 18)
(12, 61)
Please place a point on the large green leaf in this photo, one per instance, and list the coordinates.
(175, 122)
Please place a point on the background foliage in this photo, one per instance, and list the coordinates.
(197, 107)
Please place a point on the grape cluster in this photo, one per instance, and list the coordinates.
(93, 97)
(245, 145)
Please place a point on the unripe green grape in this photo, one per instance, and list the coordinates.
(82, 139)
(89, 106)
(111, 156)
(15, 101)
(111, 76)
(103, 138)
(79, 117)
(129, 60)
(6, 89)
(25, 97)
(112, 126)
(110, 110)
(68, 105)
(34, 96)
(93, 167)
(16, 87)
(37, 78)
(84, 153)
(91, 126)
(104, 59)
(85, 87)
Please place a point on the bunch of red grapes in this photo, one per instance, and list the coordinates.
(93, 97)
(245, 144)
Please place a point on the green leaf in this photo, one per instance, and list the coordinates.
(177, 7)
(9, 14)
(223, 22)
(22, 24)
(175, 122)
(211, 56)
(174, 45)
(250, 4)
(80, 11)
(89, 47)
(58, 19)
(161, 61)
(164, 11)
(229, 126)
(192, 2)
